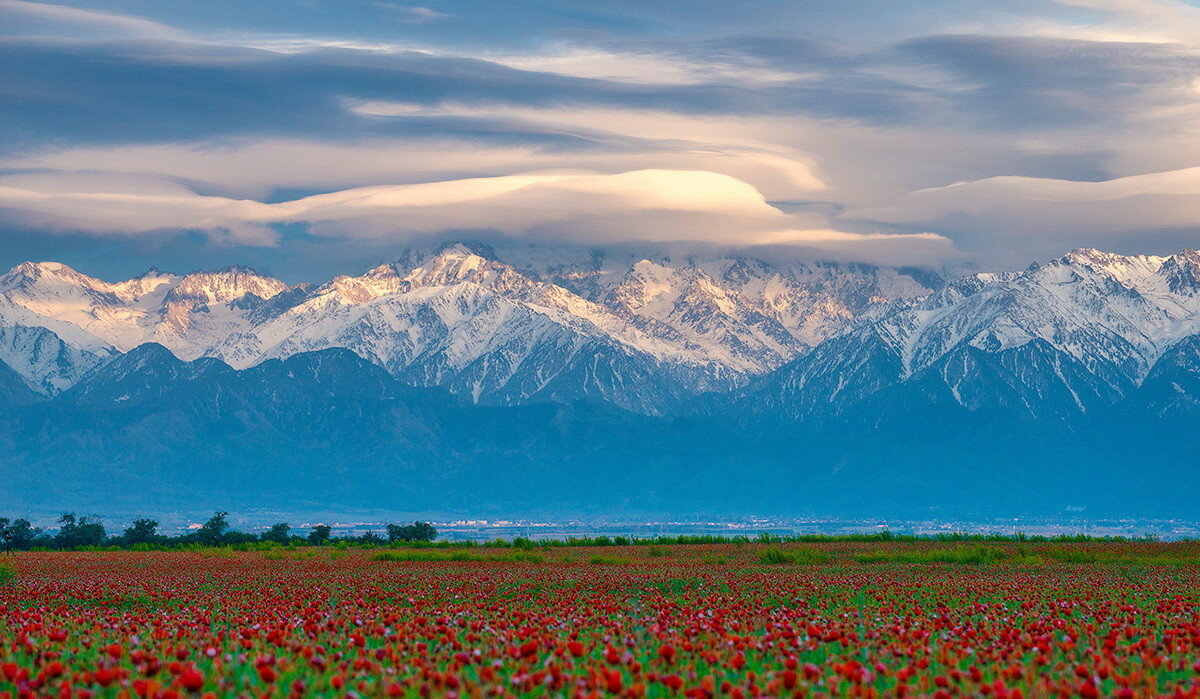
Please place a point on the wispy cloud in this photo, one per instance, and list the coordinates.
(840, 128)
(414, 14)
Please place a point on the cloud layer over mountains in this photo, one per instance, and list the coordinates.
(993, 135)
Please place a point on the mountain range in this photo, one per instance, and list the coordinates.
(641, 334)
(573, 382)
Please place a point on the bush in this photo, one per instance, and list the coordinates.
(802, 554)
(774, 556)
(608, 560)
(968, 555)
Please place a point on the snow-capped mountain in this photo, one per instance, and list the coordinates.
(1074, 335)
(185, 313)
(563, 325)
(841, 386)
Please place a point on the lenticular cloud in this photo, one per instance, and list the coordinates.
(639, 205)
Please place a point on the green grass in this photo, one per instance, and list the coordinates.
(454, 556)
(977, 554)
(608, 560)
(969, 555)
(801, 554)
(7, 574)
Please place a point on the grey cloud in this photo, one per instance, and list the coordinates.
(75, 92)
(72, 92)
(1041, 82)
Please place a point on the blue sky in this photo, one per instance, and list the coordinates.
(312, 137)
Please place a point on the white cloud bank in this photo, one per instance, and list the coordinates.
(1054, 207)
(649, 205)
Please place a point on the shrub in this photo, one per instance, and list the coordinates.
(608, 560)
(800, 554)
(968, 555)
(774, 556)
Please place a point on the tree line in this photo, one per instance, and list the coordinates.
(74, 532)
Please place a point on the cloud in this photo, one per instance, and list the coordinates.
(838, 128)
(260, 167)
(415, 14)
(77, 93)
(1054, 208)
(19, 17)
(640, 205)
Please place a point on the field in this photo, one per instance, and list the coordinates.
(837, 619)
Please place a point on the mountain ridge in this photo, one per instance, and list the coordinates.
(149, 430)
(1077, 334)
(552, 326)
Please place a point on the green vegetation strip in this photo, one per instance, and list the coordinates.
(454, 556)
(1021, 555)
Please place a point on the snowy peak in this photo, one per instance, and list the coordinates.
(1080, 331)
(48, 279)
(1129, 270)
(224, 285)
(648, 289)
(639, 330)
(34, 271)
(380, 281)
(458, 264)
(151, 282)
(1181, 273)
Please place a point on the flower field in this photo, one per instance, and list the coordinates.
(843, 619)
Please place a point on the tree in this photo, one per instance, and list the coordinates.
(212, 532)
(417, 531)
(18, 534)
(423, 531)
(277, 533)
(319, 535)
(79, 531)
(142, 531)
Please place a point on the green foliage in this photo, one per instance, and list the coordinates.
(88, 533)
(212, 532)
(455, 556)
(278, 533)
(7, 574)
(75, 532)
(970, 555)
(18, 534)
(800, 554)
(608, 560)
(977, 554)
(417, 531)
(774, 556)
(142, 531)
(320, 534)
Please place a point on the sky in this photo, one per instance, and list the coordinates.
(315, 137)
